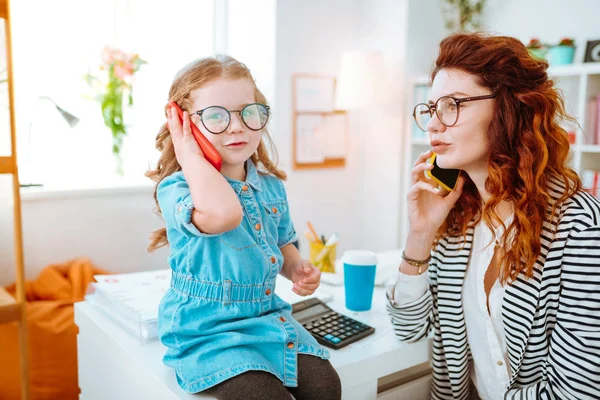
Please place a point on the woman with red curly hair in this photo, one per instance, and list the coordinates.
(512, 254)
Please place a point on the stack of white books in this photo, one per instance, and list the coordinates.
(132, 300)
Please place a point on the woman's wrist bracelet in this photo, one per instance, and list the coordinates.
(416, 263)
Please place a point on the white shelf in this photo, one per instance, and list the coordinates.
(575, 69)
(589, 148)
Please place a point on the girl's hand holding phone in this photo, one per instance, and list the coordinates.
(186, 147)
(427, 207)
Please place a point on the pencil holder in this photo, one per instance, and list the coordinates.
(326, 263)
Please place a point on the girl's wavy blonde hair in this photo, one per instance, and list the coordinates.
(194, 76)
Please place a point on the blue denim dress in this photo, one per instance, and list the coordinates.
(221, 316)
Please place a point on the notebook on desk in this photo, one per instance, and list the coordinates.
(132, 299)
(283, 289)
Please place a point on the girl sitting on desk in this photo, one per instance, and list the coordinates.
(505, 269)
(230, 234)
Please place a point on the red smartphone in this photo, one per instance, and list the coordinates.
(210, 153)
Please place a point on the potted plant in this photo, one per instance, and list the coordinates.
(562, 53)
(113, 85)
(537, 49)
(463, 15)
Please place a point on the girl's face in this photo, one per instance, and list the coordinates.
(237, 143)
(465, 144)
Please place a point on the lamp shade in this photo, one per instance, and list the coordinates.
(360, 81)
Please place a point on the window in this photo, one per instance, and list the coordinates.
(53, 49)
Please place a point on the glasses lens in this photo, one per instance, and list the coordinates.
(215, 119)
(447, 111)
(255, 116)
(422, 116)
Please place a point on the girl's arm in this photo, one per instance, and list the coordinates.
(291, 258)
(216, 206)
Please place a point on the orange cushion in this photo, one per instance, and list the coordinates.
(52, 334)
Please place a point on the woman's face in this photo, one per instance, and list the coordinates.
(465, 144)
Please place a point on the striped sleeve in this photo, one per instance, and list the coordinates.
(412, 321)
(573, 365)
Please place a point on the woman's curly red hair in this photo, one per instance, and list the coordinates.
(528, 146)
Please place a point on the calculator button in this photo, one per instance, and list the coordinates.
(322, 333)
(328, 325)
(363, 328)
(316, 324)
(335, 340)
(308, 326)
(353, 332)
(328, 337)
(315, 331)
(328, 330)
(343, 336)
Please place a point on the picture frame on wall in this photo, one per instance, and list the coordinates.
(319, 132)
(592, 51)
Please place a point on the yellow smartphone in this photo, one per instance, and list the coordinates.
(446, 178)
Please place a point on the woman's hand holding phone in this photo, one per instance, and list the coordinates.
(186, 147)
(427, 207)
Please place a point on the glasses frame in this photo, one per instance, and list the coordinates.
(434, 109)
(199, 113)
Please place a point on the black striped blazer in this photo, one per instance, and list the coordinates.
(551, 321)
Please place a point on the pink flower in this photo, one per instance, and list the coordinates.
(123, 70)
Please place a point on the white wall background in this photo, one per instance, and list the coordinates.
(362, 201)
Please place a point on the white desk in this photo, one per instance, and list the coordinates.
(113, 365)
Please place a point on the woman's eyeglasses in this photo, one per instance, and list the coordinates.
(446, 108)
(216, 119)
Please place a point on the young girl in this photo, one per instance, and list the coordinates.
(513, 295)
(230, 233)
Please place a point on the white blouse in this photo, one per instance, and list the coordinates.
(485, 332)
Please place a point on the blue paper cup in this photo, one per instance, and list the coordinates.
(359, 279)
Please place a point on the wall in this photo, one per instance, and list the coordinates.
(110, 227)
(362, 201)
(310, 40)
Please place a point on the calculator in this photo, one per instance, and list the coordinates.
(330, 328)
